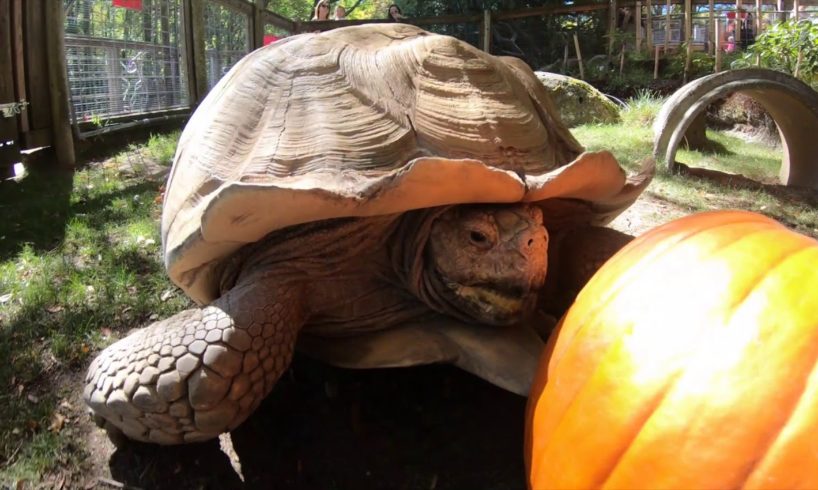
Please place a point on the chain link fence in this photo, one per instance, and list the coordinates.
(227, 39)
(124, 57)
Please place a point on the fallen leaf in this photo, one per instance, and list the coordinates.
(105, 331)
(33, 398)
(66, 405)
(166, 295)
(57, 422)
(5, 298)
(54, 309)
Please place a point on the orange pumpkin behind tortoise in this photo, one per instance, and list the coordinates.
(688, 361)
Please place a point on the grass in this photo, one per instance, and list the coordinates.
(632, 141)
(80, 265)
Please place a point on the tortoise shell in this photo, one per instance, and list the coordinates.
(364, 121)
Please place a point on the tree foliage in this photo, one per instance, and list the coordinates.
(780, 46)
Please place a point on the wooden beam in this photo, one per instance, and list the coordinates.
(257, 20)
(18, 60)
(667, 25)
(688, 38)
(579, 57)
(239, 5)
(36, 68)
(711, 23)
(278, 21)
(717, 65)
(63, 137)
(649, 23)
(536, 11)
(198, 65)
(612, 17)
(485, 32)
(640, 34)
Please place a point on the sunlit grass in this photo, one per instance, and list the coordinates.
(88, 270)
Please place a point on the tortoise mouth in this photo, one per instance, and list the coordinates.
(490, 304)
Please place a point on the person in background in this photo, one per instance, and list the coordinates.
(394, 14)
(340, 12)
(321, 11)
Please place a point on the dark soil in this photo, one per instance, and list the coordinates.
(431, 427)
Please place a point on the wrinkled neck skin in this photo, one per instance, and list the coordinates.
(357, 273)
(413, 270)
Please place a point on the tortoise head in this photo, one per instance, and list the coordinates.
(487, 261)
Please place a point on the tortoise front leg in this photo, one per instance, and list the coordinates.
(198, 373)
(574, 256)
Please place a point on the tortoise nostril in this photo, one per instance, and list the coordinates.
(530, 242)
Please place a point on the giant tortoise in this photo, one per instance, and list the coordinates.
(375, 196)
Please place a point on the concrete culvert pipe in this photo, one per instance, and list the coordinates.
(791, 103)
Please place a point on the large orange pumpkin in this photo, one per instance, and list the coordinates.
(688, 361)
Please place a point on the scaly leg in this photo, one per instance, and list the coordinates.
(198, 373)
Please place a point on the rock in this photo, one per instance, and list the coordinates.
(578, 102)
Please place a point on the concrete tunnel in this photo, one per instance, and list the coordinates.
(791, 103)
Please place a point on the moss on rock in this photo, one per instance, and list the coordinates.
(578, 102)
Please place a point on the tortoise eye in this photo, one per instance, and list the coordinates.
(478, 238)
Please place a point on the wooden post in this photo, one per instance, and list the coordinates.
(667, 25)
(656, 63)
(711, 31)
(195, 37)
(688, 38)
(612, 26)
(258, 24)
(649, 23)
(639, 32)
(486, 31)
(779, 7)
(579, 57)
(796, 7)
(622, 59)
(18, 60)
(63, 137)
(565, 58)
(798, 62)
(717, 65)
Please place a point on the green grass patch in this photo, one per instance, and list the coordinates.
(632, 141)
(80, 264)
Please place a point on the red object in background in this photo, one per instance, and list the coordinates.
(270, 39)
(128, 4)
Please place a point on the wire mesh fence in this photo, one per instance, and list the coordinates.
(124, 57)
(227, 39)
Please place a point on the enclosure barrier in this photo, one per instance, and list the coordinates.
(791, 103)
(83, 68)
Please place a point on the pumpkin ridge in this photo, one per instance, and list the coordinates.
(808, 373)
(767, 271)
(649, 412)
(591, 318)
(625, 278)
